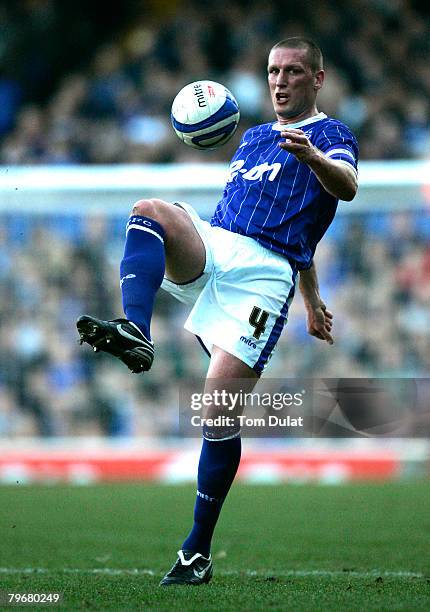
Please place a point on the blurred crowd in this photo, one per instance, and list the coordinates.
(79, 84)
(374, 273)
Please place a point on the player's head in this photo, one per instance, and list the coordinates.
(295, 74)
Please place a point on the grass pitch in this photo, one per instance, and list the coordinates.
(292, 547)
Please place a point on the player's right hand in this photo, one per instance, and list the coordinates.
(320, 323)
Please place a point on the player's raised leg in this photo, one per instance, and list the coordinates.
(160, 238)
(219, 461)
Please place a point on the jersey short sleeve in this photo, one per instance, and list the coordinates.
(338, 142)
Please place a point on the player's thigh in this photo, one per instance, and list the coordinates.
(185, 251)
(226, 367)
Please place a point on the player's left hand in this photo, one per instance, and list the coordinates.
(320, 323)
(297, 143)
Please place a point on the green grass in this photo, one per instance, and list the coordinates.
(357, 538)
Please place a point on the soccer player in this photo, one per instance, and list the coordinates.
(238, 271)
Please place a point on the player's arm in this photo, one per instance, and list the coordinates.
(337, 177)
(320, 320)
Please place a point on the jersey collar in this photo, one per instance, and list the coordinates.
(278, 127)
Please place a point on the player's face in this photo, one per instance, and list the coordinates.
(293, 85)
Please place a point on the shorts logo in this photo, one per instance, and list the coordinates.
(248, 341)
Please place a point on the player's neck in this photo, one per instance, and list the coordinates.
(305, 115)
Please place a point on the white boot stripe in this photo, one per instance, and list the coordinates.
(193, 558)
(125, 334)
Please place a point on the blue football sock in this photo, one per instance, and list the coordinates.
(217, 468)
(142, 270)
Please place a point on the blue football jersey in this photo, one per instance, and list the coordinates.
(277, 200)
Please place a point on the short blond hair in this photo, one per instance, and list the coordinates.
(314, 54)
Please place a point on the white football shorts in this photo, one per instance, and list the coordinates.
(240, 302)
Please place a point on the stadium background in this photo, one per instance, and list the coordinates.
(85, 93)
(80, 85)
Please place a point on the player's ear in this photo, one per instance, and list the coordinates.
(319, 79)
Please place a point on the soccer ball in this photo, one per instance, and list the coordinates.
(205, 115)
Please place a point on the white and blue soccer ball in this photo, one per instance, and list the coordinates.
(205, 114)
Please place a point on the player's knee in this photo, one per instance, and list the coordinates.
(150, 207)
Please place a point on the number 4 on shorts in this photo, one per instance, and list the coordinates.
(258, 320)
